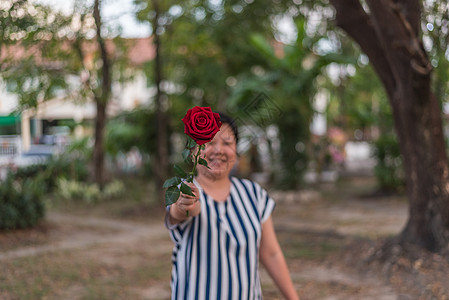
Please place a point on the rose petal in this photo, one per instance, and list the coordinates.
(201, 124)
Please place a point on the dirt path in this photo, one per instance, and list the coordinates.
(106, 231)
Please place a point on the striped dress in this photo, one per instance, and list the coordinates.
(216, 254)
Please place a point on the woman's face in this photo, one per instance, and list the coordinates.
(220, 154)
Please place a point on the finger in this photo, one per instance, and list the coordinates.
(194, 191)
(188, 197)
(187, 200)
(193, 187)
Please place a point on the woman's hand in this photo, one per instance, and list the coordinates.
(186, 206)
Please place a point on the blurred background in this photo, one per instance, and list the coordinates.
(309, 106)
(92, 94)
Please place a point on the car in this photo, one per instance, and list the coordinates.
(37, 154)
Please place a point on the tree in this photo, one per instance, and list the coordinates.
(389, 33)
(101, 98)
(435, 23)
(60, 59)
(29, 30)
(361, 105)
(157, 13)
(288, 75)
(199, 45)
(96, 59)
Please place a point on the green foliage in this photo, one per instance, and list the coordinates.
(171, 195)
(389, 169)
(294, 162)
(23, 193)
(122, 136)
(59, 60)
(435, 28)
(361, 104)
(36, 27)
(136, 128)
(88, 193)
(56, 167)
(290, 82)
(205, 44)
(114, 189)
(22, 202)
(174, 181)
(79, 149)
(358, 103)
(176, 185)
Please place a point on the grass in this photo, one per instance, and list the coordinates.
(48, 276)
(303, 247)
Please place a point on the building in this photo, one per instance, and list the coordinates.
(38, 125)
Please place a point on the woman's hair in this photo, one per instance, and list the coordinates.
(225, 119)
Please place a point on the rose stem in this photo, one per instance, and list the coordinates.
(195, 162)
(194, 168)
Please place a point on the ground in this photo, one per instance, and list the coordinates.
(330, 235)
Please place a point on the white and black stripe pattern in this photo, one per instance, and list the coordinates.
(216, 254)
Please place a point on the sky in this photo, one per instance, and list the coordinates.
(120, 10)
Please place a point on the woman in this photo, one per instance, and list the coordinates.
(222, 232)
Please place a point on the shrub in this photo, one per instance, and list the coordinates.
(21, 202)
(114, 189)
(389, 168)
(89, 193)
(22, 194)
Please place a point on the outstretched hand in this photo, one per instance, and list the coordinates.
(186, 205)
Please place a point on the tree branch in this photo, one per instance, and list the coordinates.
(352, 18)
(106, 80)
(420, 63)
(400, 35)
(411, 10)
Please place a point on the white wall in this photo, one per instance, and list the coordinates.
(8, 102)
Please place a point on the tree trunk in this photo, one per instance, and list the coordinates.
(101, 99)
(389, 35)
(161, 162)
(98, 155)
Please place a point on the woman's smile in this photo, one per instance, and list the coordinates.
(220, 154)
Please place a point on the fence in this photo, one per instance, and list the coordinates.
(10, 145)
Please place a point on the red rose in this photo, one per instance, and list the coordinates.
(201, 124)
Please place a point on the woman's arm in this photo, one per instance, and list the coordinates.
(273, 259)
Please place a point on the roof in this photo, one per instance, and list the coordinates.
(140, 50)
(9, 120)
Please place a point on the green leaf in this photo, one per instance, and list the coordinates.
(186, 155)
(179, 171)
(174, 181)
(186, 189)
(172, 195)
(190, 142)
(203, 162)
